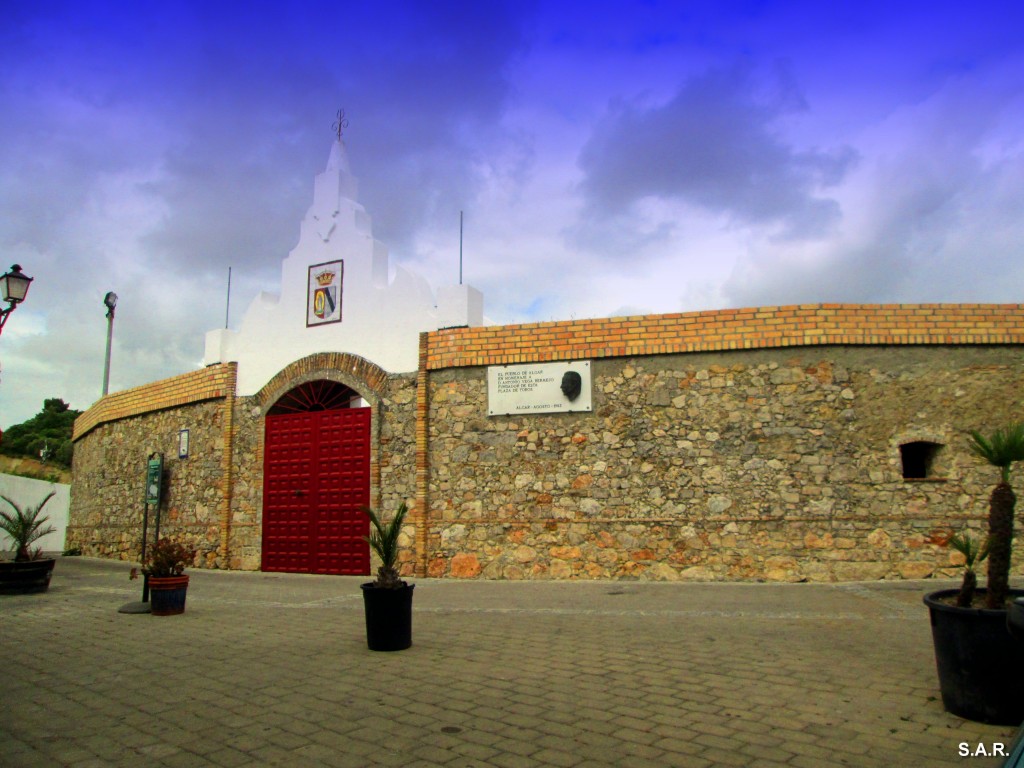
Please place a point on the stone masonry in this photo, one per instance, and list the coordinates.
(736, 444)
(212, 501)
(778, 465)
(758, 443)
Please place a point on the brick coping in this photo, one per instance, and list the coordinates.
(729, 329)
(708, 331)
(215, 381)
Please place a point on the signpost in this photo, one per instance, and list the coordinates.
(154, 472)
(154, 487)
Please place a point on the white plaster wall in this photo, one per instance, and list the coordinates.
(381, 319)
(26, 492)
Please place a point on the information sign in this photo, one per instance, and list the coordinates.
(154, 476)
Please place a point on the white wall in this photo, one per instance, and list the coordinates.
(381, 318)
(26, 492)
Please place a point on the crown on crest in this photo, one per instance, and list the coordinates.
(325, 278)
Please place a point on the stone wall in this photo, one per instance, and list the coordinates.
(770, 464)
(739, 444)
(213, 500)
(107, 495)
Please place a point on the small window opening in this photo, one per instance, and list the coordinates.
(919, 459)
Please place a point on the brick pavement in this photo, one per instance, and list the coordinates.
(273, 670)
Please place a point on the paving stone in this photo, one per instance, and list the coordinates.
(272, 669)
(686, 761)
(519, 747)
(475, 751)
(557, 757)
(229, 757)
(513, 761)
(433, 755)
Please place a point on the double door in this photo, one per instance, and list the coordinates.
(316, 481)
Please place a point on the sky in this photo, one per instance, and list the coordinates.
(608, 159)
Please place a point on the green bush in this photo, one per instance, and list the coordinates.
(48, 430)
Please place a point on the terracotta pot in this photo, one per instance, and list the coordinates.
(167, 595)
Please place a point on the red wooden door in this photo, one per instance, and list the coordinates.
(316, 478)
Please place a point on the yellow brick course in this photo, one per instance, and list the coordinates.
(215, 381)
(760, 328)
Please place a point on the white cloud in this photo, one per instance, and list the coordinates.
(651, 157)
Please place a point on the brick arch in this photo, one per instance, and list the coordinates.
(355, 372)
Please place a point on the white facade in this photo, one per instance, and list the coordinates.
(380, 319)
(27, 492)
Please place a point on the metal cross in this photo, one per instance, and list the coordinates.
(340, 124)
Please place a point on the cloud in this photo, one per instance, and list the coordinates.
(713, 145)
(928, 219)
(618, 160)
(145, 150)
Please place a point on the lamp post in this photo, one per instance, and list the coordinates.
(13, 289)
(109, 301)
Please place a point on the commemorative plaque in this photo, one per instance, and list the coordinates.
(539, 388)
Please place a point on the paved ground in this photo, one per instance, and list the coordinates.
(272, 669)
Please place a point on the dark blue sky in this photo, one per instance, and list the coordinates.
(610, 158)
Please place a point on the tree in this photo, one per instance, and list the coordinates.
(49, 431)
(1001, 449)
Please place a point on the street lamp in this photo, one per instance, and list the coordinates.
(13, 289)
(109, 301)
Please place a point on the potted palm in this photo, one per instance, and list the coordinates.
(164, 569)
(30, 571)
(974, 554)
(980, 665)
(387, 600)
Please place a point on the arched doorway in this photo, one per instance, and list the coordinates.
(316, 479)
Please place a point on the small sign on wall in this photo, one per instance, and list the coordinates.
(539, 388)
(323, 297)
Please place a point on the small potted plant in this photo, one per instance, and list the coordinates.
(164, 569)
(388, 600)
(978, 661)
(30, 571)
(974, 554)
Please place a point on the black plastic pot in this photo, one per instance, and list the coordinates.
(25, 577)
(1015, 619)
(980, 665)
(388, 617)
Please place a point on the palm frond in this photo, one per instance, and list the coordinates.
(384, 537)
(1002, 448)
(973, 551)
(25, 526)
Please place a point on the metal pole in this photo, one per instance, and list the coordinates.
(227, 309)
(145, 577)
(106, 362)
(460, 247)
(156, 506)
